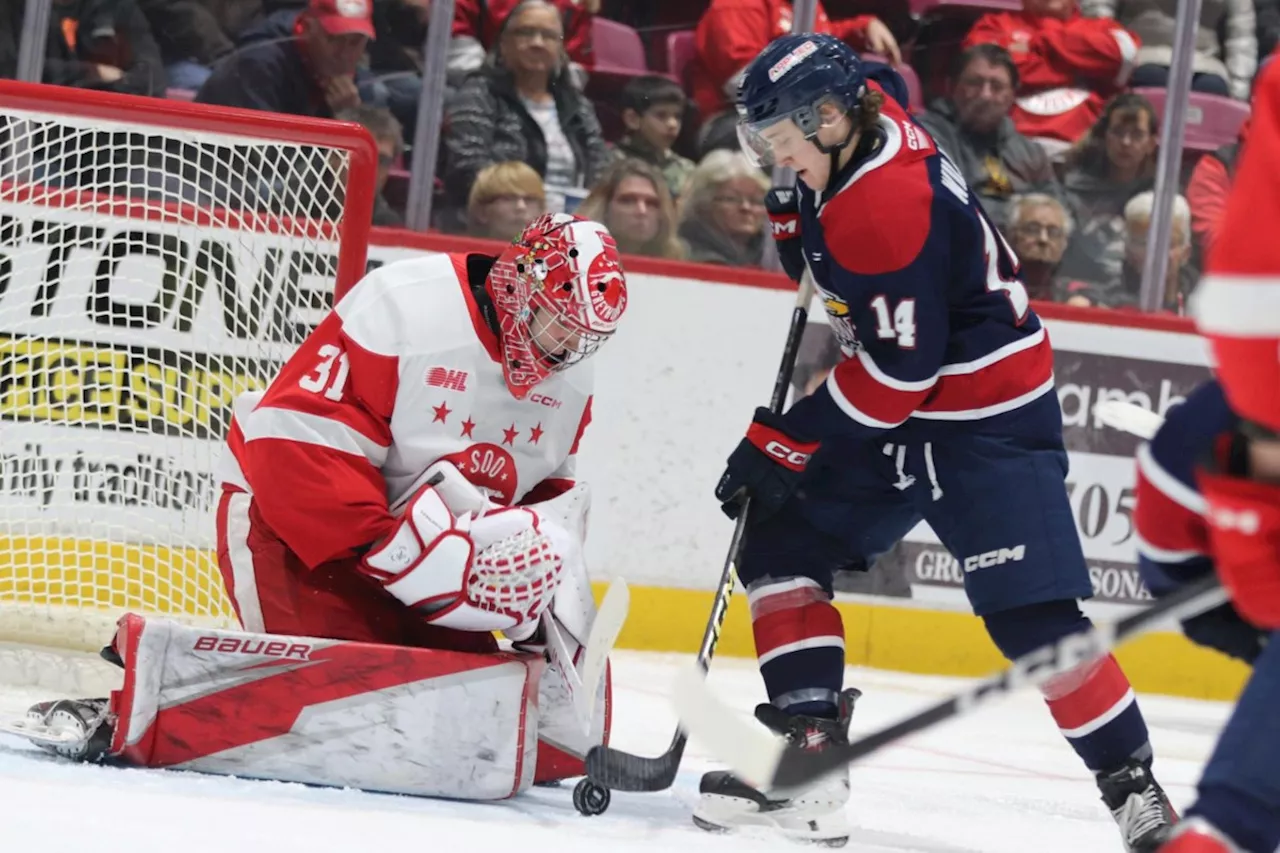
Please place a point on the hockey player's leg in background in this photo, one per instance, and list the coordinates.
(1237, 809)
(998, 502)
(846, 512)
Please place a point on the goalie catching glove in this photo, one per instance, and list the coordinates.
(481, 569)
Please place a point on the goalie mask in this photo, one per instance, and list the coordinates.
(559, 291)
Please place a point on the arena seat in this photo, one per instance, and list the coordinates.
(1211, 120)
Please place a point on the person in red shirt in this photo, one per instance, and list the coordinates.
(1067, 65)
(732, 32)
(476, 24)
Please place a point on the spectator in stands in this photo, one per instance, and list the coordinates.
(195, 34)
(1208, 187)
(1114, 162)
(477, 23)
(91, 44)
(1067, 66)
(312, 74)
(633, 202)
(722, 211)
(1123, 290)
(394, 77)
(1039, 228)
(1268, 29)
(731, 33)
(1226, 42)
(389, 137)
(974, 128)
(652, 111)
(521, 106)
(504, 199)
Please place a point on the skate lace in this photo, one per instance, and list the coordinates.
(1142, 813)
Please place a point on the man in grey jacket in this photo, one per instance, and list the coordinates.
(973, 127)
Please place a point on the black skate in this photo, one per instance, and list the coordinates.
(814, 814)
(1139, 805)
(79, 729)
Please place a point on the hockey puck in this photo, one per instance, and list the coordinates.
(591, 799)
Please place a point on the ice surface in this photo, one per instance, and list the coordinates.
(1000, 779)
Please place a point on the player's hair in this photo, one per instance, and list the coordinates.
(499, 179)
(378, 121)
(1019, 202)
(993, 54)
(869, 105)
(595, 206)
(1139, 208)
(651, 90)
(1089, 155)
(717, 168)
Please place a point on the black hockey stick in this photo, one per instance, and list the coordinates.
(622, 771)
(774, 764)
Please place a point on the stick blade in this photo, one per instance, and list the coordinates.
(750, 750)
(622, 771)
(1128, 417)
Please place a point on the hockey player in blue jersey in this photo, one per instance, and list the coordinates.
(1237, 809)
(943, 409)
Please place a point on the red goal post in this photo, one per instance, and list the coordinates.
(157, 258)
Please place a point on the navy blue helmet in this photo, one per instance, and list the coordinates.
(791, 79)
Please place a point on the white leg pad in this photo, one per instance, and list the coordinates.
(326, 712)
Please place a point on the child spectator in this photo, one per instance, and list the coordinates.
(732, 32)
(1068, 65)
(504, 199)
(1226, 48)
(1115, 161)
(632, 201)
(652, 111)
(722, 211)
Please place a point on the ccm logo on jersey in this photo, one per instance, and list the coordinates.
(450, 380)
(544, 400)
(995, 558)
(792, 458)
(1244, 521)
(267, 648)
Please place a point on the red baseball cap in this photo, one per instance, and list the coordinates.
(340, 17)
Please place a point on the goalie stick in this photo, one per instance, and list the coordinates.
(776, 765)
(623, 771)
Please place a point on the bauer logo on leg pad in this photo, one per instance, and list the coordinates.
(252, 646)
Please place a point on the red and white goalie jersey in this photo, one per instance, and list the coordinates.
(405, 372)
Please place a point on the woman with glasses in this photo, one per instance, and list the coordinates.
(1114, 161)
(722, 211)
(522, 106)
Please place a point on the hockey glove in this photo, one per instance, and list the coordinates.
(1244, 530)
(767, 466)
(1222, 629)
(783, 206)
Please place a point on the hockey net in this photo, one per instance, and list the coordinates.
(156, 259)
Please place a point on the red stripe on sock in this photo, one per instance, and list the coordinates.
(796, 624)
(1099, 692)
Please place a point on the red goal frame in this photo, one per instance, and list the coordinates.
(353, 231)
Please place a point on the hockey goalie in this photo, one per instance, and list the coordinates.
(401, 491)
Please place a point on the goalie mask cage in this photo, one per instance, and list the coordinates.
(156, 259)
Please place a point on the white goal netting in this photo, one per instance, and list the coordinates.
(149, 272)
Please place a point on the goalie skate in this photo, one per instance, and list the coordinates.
(815, 813)
(79, 729)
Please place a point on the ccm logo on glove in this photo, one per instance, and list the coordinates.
(793, 459)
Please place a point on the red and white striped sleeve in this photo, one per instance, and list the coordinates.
(1238, 304)
(313, 447)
